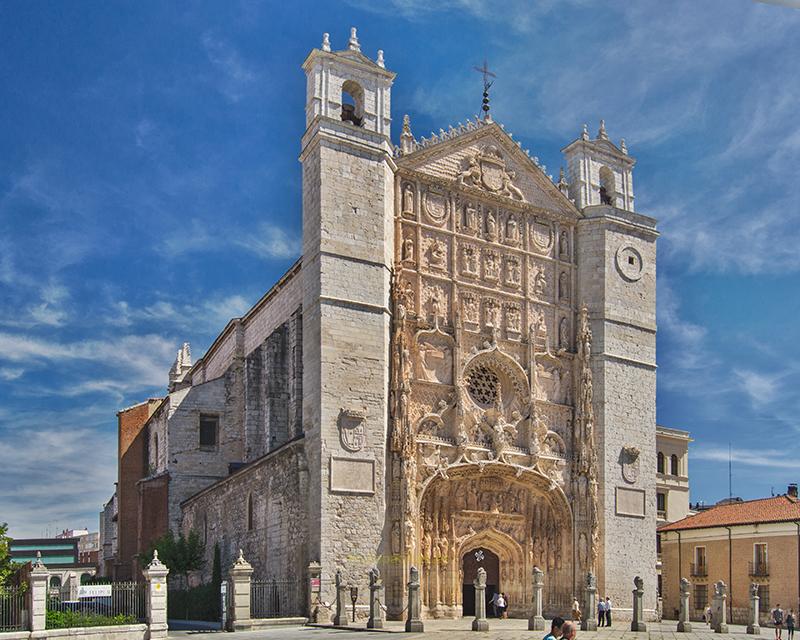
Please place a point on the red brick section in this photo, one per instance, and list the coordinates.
(132, 467)
(782, 508)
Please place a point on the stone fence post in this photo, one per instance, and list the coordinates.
(536, 621)
(156, 575)
(340, 618)
(589, 621)
(240, 577)
(638, 624)
(37, 598)
(480, 623)
(718, 615)
(375, 620)
(684, 626)
(414, 619)
(754, 628)
(314, 589)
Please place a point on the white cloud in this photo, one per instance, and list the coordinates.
(9, 373)
(760, 388)
(765, 458)
(235, 75)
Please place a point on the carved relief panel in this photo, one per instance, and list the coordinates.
(435, 253)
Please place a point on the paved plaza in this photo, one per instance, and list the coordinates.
(460, 630)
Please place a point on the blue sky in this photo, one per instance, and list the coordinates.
(150, 190)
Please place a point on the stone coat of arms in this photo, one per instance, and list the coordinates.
(352, 429)
(630, 464)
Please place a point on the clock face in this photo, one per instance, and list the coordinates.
(629, 262)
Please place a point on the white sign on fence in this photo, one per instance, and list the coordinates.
(94, 591)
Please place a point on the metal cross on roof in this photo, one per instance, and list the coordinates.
(486, 85)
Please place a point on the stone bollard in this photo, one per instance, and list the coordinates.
(414, 621)
(718, 615)
(637, 624)
(754, 628)
(375, 585)
(156, 575)
(480, 623)
(340, 618)
(241, 575)
(589, 622)
(684, 626)
(536, 621)
(314, 588)
(37, 598)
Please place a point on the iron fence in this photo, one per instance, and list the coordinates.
(13, 611)
(96, 605)
(277, 598)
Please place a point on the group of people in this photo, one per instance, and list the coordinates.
(779, 619)
(603, 612)
(500, 605)
(561, 629)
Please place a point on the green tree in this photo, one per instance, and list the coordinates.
(181, 555)
(7, 567)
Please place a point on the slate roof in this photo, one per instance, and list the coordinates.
(783, 508)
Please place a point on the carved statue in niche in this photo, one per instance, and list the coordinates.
(541, 329)
(490, 265)
(563, 335)
(437, 254)
(491, 226)
(539, 282)
(512, 229)
(470, 217)
(513, 271)
(469, 260)
(396, 537)
(470, 308)
(512, 318)
(408, 249)
(407, 296)
(491, 309)
(435, 360)
(563, 245)
(408, 199)
(435, 302)
(563, 286)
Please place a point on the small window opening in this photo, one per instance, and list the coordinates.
(631, 260)
(352, 103)
(673, 464)
(250, 512)
(660, 463)
(209, 426)
(606, 186)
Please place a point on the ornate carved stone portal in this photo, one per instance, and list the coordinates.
(491, 420)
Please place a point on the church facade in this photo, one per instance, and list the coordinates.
(458, 372)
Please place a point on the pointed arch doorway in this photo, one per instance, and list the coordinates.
(470, 562)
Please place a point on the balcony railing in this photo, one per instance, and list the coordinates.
(699, 570)
(759, 569)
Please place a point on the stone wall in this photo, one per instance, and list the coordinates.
(277, 485)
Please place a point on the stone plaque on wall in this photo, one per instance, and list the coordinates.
(630, 502)
(352, 475)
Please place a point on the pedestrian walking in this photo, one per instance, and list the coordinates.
(777, 621)
(502, 604)
(495, 596)
(608, 611)
(790, 622)
(601, 613)
(576, 610)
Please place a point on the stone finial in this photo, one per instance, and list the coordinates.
(623, 147)
(601, 134)
(326, 41)
(240, 561)
(181, 366)
(352, 44)
(380, 61)
(563, 185)
(585, 132)
(155, 563)
(406, 137)
(38, 564)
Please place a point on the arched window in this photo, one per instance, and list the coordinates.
(607, 186)
(660, 467)
(250, 519)
(86, 578)
(673, 465)
(352, 103)
(55, 582)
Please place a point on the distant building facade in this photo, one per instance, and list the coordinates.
(60, 555)
(742, 543)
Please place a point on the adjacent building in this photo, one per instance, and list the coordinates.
(60, 555)
(742, 543)
(459, 371)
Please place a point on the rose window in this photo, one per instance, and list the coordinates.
(483, 386)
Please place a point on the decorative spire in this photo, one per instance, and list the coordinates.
(601, 134)
(486, 86)
(623, 147)
(353, 42)
(563, 185)
(379, 61)
(38, 564)
(585, 132)
(181, 366)
(406, 137)
(326, 41)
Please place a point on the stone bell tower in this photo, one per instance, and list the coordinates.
(348, 242)
(616, 250)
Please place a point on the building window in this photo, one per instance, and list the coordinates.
(660, 467)
(209, 425)
(699, 566)
(759, 566)
(763, 594)
(250, 519)
(55, 582)
(352, 103)
(606, 186)
(661, 504)
(700, 597)
(658, 543)
(673, 465)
